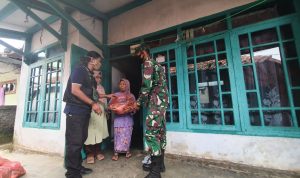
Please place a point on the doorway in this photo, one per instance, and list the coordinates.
(130, 68)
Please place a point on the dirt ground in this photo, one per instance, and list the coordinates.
(50, 166)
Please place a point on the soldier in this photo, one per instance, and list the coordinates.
(154, 95)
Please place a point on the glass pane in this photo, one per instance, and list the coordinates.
(191, 66)
(45, 119)
(33, 117)
(225, 82)
(227, 102)
(296, 97)
(245, 56)
(59, 65)
(298, 117)
(54, 66)
(228, 118)
(192, 83)
(294, 72)
(194, 117)
(160, 56)
(209, 28)
(174, 85)
(264, 36)
(168, 116)
(208, 82)
(254, 118)
(190, 51)
(277, 118)
(208, 117)
(205, 48)
(252, 100)
(175, 116)
(172, 55)
(252, 16)
(220, 45)
(286, 32)
(249, 78)
(51, 117)
(244, 41)
(194, 102)
(175, 102)
(289, 49)
(222, 60)
(270, 76)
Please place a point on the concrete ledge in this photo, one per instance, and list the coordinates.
(233, 167)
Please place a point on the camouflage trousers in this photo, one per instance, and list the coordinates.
(155, 134)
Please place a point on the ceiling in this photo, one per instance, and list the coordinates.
(12, 17)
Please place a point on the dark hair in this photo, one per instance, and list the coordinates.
(94, 54)
(91, 54)
(141, 48)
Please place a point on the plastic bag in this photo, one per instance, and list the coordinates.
(10, 169)
(121, 108)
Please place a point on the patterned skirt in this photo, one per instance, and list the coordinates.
(122, 139)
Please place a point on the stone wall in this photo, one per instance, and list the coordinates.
(7, 121)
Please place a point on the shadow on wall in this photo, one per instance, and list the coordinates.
(7, 121)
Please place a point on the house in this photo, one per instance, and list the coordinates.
(223, 105)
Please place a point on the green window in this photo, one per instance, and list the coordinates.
(244, 80)
(44, 94)
(269, 64)
(167, 57)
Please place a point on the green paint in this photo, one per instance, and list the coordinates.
(37, 19)
(49, 20)
(40, 6)
(13, 34)
(11, 47)
(76, 53)
(77, 25)
(64, 34)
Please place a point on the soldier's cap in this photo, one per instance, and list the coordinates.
(140, 48)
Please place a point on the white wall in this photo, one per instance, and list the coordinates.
(43, 38)
(48, 140)
(269, 152)
(161, 14)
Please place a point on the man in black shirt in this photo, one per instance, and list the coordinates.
(79, 102)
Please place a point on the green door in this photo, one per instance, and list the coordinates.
(76, 53)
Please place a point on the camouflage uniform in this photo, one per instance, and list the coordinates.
(154, 94)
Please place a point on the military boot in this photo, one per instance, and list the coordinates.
(155, 167)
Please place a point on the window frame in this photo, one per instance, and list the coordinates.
(242, 98)
(40, 110)
(242, 126)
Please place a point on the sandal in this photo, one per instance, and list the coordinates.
(100, 157)
(115, 157)
(90, 159)
(128, 155)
